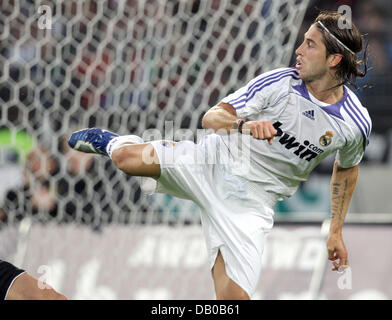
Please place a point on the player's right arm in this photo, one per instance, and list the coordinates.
(251, 102)
(224, 117)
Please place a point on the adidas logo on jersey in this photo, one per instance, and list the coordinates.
(309, 114)
(306, 151)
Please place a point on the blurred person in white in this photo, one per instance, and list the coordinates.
(296, 118)
(32, 197)
(14, 148)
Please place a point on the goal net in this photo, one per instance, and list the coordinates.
(148, 68)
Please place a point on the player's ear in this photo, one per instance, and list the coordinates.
(334, 59)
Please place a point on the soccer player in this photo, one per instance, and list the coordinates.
(17, 284)
(296, 117)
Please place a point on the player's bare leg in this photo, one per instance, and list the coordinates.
(137, 160)
(225, 288)
(129, 153)
(26, 287)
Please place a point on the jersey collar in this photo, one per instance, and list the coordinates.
(331, 109)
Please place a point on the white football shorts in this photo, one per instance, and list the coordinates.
(236, 214)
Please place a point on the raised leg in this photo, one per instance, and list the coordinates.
(128, 153)
(137, 160)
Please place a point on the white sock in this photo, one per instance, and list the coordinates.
(120, 141)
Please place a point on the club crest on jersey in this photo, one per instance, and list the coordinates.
(309, 114)
(326, 139)
(306, 150)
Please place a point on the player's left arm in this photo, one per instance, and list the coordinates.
(343, 183)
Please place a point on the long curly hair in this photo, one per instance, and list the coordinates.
(349, 68)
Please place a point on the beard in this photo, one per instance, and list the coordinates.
(312, 75)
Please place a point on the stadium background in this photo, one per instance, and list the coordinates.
(77, 222)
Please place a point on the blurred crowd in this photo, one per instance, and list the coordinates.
(120, 75)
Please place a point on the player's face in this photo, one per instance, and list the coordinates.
(311, 56)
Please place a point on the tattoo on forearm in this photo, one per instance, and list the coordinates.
(335, 190)
(338, 200)
(334, 199)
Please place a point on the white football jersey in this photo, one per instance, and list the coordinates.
(308, 130)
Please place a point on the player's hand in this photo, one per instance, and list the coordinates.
(263, 130)
(337, 252)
